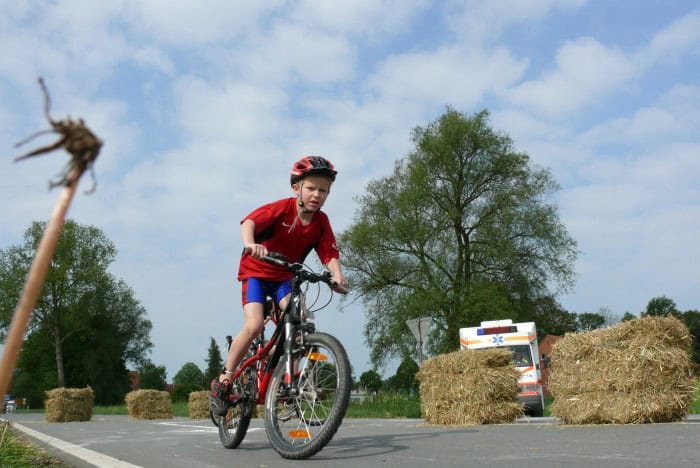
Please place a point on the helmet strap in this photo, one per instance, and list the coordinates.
(300, 202)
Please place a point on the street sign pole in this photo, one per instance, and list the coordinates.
(419, 327)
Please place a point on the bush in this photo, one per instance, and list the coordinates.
(181, 392)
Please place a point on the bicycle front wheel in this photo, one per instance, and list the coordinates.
(299, 424)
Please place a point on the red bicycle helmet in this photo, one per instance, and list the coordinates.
(312, 165)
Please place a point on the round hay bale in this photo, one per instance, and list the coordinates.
(69, 404)
(638, 371)
(469, 387)
(149, 404)
(198, 404)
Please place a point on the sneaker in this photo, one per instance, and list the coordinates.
(219, 400)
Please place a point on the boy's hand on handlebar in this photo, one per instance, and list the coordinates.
(255, 250)
(340, 289)
(340, 285)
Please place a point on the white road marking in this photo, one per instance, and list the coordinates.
(90, 456)
(198, 428)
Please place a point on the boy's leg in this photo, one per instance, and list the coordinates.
(252, 326)
(221, 397)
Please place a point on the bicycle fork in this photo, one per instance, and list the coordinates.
(289, 332)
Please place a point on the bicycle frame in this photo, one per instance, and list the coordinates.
(290, 321)
(300, 375)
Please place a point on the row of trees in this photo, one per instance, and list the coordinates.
(188, 379)
(87, 326)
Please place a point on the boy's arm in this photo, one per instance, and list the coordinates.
(334, 267)
(248, 238)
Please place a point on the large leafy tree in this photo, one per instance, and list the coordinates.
(151, 376)
(86, 322)
(660, 306)
(189, 373)
(588, 321)
(370, 381)
(404, 381)
(463, 230)
(549, 316)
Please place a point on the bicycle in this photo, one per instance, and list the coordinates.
(301, 376)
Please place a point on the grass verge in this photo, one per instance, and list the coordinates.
(385, 405)
(17, 451)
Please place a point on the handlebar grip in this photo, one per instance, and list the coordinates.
(271, 257)
(340, 289)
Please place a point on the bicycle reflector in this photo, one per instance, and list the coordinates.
(300, 434)
(496, 330)
(318, 357)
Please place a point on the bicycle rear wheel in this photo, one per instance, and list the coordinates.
(300, 425)
(233, 426)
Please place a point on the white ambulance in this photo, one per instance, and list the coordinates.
(521, 338)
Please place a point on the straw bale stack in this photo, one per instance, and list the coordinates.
(259, 411)
(198, 404)
(638, 371)
(470, 387)
(149, 404)
(69, 404)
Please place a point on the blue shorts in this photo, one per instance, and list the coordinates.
(257, 290)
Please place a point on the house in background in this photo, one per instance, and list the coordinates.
(546, 350)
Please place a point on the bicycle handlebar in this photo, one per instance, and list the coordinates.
(301, 272)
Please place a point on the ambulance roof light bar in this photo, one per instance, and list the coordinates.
(496, 330)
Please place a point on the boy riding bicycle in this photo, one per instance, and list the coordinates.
(293, 227)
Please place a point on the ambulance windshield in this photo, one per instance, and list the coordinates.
(521, 355)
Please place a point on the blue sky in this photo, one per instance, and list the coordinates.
(203, 107)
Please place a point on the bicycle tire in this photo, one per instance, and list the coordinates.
(300, 426)
(233, 426)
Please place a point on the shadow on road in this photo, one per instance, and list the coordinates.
(347, 448)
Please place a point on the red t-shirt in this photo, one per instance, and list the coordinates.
(278, 229)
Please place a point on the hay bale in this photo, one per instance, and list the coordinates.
(469, 387)
(69, 404)
(198, 404)
(638, 371)
(259, 411)
(149, 404)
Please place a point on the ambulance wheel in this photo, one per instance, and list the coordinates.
(536, 411)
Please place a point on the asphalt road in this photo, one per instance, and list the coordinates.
(117, 441)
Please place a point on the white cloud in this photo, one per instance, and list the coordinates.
(189, 24)
(669, 44)
(522, 126)
(478, 21)
(674, 115)
(369, 18)
(585, 72)
(291, 52)
(449, 75)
